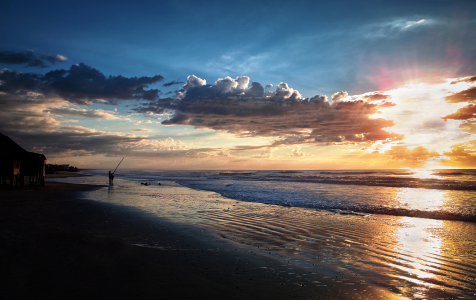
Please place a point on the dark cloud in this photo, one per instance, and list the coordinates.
(235, 106)
(152, 108)
(29, 58)
(319, 99)
(81, 84)
(155, 107)
(14, 84)
(30, 104)
(468, 95)
(464, 113)
(172, 83)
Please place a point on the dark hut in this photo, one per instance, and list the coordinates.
(33, 166)
(16, 163)
(10, 161)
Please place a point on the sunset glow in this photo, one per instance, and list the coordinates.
(405, 99)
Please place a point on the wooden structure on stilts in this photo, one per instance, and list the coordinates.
(16, 163)
(33, 166)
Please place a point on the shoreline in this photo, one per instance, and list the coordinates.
(55, 244)
(64, 174)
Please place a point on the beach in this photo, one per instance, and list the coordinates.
(55, 244)
(239, 235)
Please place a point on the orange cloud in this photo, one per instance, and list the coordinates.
(397, 157)
(468, 80)
(468, 95)
(416, 154)
(376, 96)
(465, 113)
(461, 155)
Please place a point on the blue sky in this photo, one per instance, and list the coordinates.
(315, 47)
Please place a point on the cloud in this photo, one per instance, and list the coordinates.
(420, 112)
(468, 95)
(465, 113)
(395, 27)
(29, 58)
(85, 113)
(240, 62)
(397, 156)
(339, 96)
(319, 99)
(142, 130)
(172, 83)
(376, 97)
(194, 81)
(33, 107)
(196, 88)
(467, 79)
(57, 140)
(417, 153)
(283, 91)
(296, 151)
(266, 153)
(81, 84)
(149, 108)
(54, 58)
(235, 106)
(461, 155)
(147, 145)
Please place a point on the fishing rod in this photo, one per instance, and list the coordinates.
(118, 166)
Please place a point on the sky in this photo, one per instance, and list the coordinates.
(242, 85)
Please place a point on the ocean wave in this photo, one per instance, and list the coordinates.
(378, 192)
(446, 179)
(380, 210)
(286, 199)
(442, 184)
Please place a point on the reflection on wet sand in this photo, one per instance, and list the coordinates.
(418, 249)
(429, 267)
(403, 257)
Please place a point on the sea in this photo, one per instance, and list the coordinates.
(410, 232)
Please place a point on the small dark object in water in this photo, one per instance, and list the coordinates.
(144, 183)
(159, 183)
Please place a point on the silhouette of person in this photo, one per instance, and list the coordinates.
(111, 178)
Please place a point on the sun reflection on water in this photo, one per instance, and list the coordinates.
(421, 199)
(423, 173)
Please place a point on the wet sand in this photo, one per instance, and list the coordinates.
(53, 244)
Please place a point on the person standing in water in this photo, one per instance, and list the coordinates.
(111, 175)
(111, 178)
